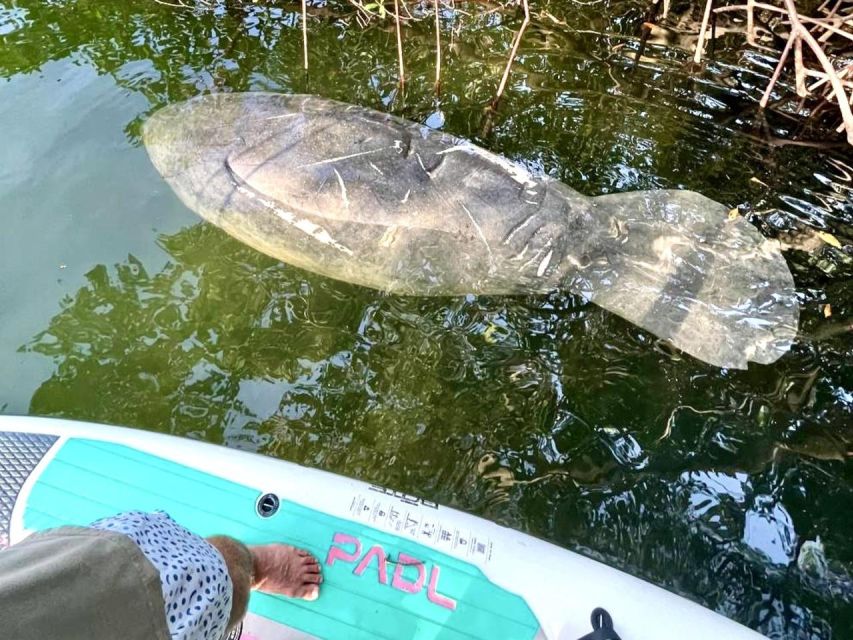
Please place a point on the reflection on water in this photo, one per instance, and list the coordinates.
(542, 412)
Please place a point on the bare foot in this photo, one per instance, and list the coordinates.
(286, 571)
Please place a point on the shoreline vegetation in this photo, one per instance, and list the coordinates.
(808, 44)
(818, 47)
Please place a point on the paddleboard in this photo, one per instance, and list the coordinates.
(396, 566)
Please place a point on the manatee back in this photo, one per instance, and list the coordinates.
(386, 203)
(348, 163)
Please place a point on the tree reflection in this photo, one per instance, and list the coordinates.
(224, 341)
(175, 350)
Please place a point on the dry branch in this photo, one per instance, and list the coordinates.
(437, 48)
(513, 51)
(399, 42)
(304, 35)
(819, 64)
(697, 57)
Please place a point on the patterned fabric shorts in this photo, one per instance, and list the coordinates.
(197, 589)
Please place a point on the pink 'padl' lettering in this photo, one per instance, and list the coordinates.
(379, 554)
(401, 583)
(432, 591)
(336, 553)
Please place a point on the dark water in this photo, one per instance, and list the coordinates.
(543, 413)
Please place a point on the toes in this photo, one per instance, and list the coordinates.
(312, 578)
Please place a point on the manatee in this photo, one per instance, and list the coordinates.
(372, 199)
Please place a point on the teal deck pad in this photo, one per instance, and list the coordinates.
(89, 479)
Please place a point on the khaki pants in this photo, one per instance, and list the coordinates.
(79, 584)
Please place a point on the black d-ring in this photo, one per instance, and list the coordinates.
(602, 626)
(267, 505)
(600, 619)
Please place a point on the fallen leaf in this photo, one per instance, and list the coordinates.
(827, 310)
(734, 213)
(829, 239)
(489, 332)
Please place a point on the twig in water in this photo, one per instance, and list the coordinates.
(516, 42)
(304, 36)
(700, 44)
(750, 22)
(179, 4)
(670, 422)
(647, 30)
(437, 49)
(799, 69)
(399, 42)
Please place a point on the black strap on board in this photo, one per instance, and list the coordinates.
(602, 626)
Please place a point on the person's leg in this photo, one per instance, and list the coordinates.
(240, 564)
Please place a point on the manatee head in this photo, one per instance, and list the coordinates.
(203, 131)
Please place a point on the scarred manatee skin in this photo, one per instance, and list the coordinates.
(365, 197)
(369, 198)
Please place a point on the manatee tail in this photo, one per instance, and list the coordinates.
(685, 270)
